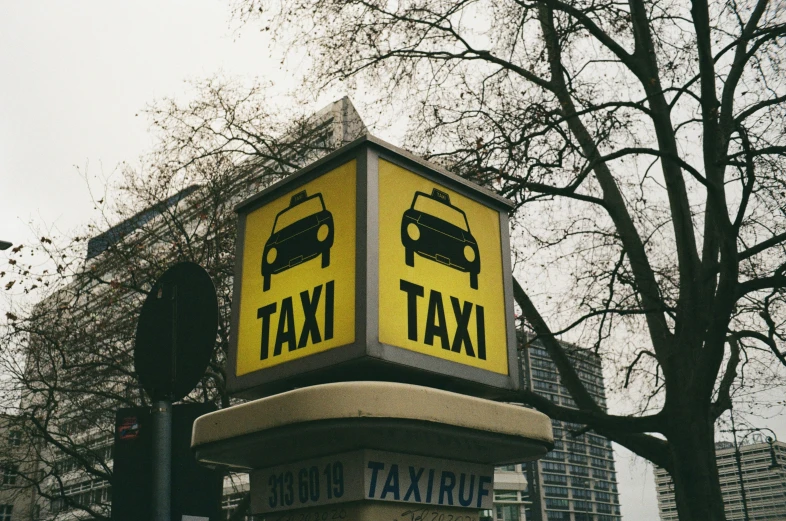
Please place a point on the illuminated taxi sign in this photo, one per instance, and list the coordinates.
(373, 264)
(290, 290)
(441, 287)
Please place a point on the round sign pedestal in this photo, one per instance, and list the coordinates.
(404, 446)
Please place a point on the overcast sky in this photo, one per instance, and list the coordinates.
(75, 76)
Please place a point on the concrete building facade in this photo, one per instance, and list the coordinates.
(577, 480)
(763, 480)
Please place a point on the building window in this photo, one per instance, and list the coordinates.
(508, 513)
(555, 479)
(556, 503)
(580, 482)
(555, 456)
(9, 474)
(577, 458)
(95, 492)
(556, 491)
(5, 512)
(579, 493)
(553, 467)
(582, 506)
(15, 438)
(597, 462)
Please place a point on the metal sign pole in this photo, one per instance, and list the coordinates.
(162, 433)
(162, 459)
(179, 313)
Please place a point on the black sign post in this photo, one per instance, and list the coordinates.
(133, 466)
(175, 337)
(195, 490)
(162, 460)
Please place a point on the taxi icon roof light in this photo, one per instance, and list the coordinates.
(442, 196)
(298, 197)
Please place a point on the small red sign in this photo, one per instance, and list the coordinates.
(128, 429)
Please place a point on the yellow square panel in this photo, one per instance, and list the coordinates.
(298, 273)
(441, 291)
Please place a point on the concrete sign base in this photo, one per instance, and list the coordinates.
(370, 450)
(327, 419)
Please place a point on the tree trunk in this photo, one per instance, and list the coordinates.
(694, 471)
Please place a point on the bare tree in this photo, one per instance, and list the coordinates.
(67, 361)
(643, 143)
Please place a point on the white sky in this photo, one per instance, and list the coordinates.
(74, 76)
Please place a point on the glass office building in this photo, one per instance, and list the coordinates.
(576, 481)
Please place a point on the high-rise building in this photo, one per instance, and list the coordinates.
(757, 493)
(576, 481)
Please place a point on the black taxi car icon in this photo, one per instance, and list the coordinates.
(435, 229)
(301, 232)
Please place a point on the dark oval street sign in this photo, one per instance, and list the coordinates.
(176, 332)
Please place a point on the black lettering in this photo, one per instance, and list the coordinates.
(286, 327)
(264, 313)
(446, 485)
(289, 492)
(462, 323)
(375, 467)
(414, 487)
(310, 325)
(482, 491)
(430, 485)
(480, 321)
(436, 313)
(391, 484)
(272, 500)
(465, 502)
(413, 292)
(329, 310)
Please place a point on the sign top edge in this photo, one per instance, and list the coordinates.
(369, 140)
(480, 190)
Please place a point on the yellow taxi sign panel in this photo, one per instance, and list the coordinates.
(441, 291)
(298, 273)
